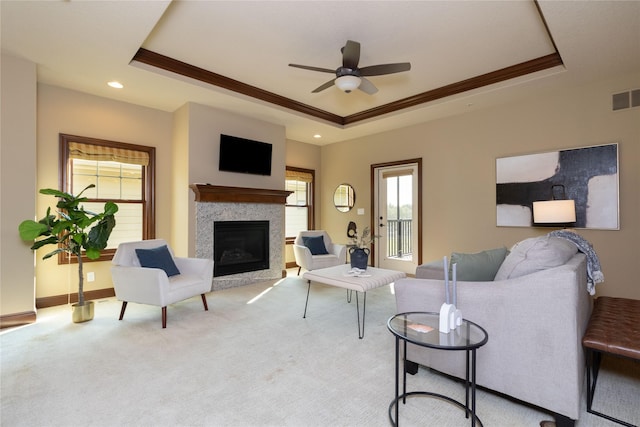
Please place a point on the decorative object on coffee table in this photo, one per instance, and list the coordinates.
(359, 257)
(450, 315)
(359, 248)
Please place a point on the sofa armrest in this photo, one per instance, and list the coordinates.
(303, 256)
(139, 284)
(339, 250)
(431, 270)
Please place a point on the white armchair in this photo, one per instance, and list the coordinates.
(336, 253)
(144, 285)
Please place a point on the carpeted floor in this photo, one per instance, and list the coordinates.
(251, 360)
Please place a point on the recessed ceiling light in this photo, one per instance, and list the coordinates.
(116, 85)
(317, 136)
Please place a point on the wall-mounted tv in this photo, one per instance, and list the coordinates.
(244, 156)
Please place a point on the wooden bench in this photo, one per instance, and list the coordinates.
(614, 328)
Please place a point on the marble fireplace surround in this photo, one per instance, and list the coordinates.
(220, 203)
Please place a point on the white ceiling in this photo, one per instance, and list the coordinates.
(81, 45)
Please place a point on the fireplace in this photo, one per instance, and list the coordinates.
(238, 204)
(240, 246)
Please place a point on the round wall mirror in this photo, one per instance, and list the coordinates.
(344, 197)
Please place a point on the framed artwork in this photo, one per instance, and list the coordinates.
(589, 175)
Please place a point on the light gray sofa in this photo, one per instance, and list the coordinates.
(535, 324)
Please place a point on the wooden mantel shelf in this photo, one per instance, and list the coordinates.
(218, 193)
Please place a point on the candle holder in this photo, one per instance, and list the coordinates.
(450, 315)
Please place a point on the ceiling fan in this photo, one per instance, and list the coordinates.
(349, 77)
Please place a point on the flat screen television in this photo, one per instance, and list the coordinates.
(244, 156)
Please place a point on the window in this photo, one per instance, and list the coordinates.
(299, 204)
(122, 173)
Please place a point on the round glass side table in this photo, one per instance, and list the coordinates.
(422, 329)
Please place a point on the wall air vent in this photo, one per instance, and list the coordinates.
(624, 100)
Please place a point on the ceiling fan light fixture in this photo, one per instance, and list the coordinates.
(348, 83)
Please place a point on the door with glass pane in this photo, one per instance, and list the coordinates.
(396, 216)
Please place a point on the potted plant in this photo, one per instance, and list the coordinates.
(72, 230)
(359, 248)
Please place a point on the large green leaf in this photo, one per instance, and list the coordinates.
(93, 253)
(110, 208)
(56, 252)
(56, 193)
(85, 189)
(99, 234)
(30, 230)
(79, 238)
(60, 226)
(52, 240)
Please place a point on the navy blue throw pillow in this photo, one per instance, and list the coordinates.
(159, 257)
(315, 245)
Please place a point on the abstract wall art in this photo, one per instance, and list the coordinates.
(589, 176)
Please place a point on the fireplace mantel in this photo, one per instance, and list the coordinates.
(218, 193)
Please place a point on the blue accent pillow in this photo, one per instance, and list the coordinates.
(315, 245)
(159, 257)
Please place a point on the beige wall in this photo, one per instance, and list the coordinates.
(205, 124)
(180, 228)
(459, 156)
(307, 156)
(65, 111)
(17, 183)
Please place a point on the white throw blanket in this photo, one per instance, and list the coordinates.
(594, 273)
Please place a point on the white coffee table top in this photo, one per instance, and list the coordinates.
(339, 276)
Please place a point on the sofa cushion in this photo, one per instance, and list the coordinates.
(315, 245)
(479, 266)
(535, 254)
(159, 257)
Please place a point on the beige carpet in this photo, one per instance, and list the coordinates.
(251, 360)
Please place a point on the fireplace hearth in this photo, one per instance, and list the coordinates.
(240, 247)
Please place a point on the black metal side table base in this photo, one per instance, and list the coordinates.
(594, 358)
(422, 329)
(430, 394)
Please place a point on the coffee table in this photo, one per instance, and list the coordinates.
(339, 276)
(422, 328)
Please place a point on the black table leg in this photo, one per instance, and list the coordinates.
(466, 386)
(304, 316)
(473, 387)
(397, 375)
(364, 312)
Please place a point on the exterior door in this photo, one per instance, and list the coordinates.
(397, 216)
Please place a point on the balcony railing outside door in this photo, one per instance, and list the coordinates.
(399, 238)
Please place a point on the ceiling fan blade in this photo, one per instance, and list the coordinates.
(324, 86)
(351, 54)
(307, 67)
(378, 70)
(367, 87)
